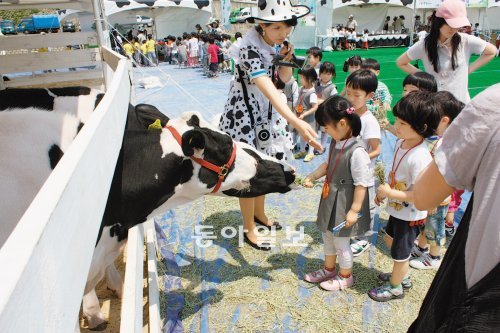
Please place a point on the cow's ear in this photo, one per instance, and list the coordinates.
(192, 140)
(147, 114)
(193, 121)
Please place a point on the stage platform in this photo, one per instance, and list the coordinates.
(374, 41)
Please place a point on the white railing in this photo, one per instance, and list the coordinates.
(44, 263)
(44, 55)
(132, 304)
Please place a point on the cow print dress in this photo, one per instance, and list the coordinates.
(254, 60)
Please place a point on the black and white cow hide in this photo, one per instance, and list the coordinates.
(78, 101)
(36, 154)
(153, 174)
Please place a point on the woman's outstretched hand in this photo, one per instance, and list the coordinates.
(307, 133)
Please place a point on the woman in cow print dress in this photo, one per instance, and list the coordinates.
(252, 93)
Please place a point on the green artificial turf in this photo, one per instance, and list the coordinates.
(393, 77)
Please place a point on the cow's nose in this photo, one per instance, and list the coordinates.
(288, 168)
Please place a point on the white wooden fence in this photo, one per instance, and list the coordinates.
(45, 261)
(38, 53)
(132, 303)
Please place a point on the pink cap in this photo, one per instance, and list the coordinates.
(454, 13)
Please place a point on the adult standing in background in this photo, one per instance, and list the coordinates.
(394, 24)
(398, 24)
(464, 294)
(142, 36)
(445, 52)
(213, 27)
(254, 100)
(386, 24)
(351, 23)
(417, 24)
(401, 22)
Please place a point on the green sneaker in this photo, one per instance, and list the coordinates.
(300, 155)
(406, 283)
(386, 292)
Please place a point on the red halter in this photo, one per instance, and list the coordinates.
(221, 171)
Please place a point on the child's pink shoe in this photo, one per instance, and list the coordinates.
(337, 283)
(319, 276)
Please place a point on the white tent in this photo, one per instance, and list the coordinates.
(170, 18)
(493, 15)
(67, 4)
(478, 11)
(369, 16)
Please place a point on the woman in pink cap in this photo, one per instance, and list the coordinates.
(445, 52)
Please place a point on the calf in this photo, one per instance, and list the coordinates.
(154, 173)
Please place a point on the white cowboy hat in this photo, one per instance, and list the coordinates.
(212, 20)
(276, 11)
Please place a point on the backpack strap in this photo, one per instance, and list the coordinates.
(245, 95)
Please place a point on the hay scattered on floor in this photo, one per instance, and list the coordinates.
(246, 290)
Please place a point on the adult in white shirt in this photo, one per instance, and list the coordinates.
(445, 52)
(351, 23)
(422, 34)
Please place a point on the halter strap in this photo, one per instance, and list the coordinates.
(221, 171)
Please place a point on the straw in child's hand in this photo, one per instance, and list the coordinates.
(379, 172)
(299, 180)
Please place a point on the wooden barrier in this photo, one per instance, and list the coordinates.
(46, 259)
(48, 58)
(132, 315)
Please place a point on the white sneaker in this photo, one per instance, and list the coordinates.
(417, 253)
(358, 247)
(425, 262)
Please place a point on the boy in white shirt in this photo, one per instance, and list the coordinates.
(360, 88)
(314, 56)
(417, 118)
(325, 88)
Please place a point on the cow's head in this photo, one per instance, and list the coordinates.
(155, 173)
(252, 174)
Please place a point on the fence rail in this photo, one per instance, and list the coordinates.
(30, 60)
(46, 259)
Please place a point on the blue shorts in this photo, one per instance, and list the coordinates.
(434, 226)
(403, 234)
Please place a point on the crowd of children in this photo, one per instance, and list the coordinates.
(197, 49)
(354, 120)
(200, 49)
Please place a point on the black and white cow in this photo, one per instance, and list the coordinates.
(155, 173)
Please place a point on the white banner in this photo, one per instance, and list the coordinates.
(225, 12)
(468, 3)
(342, 3)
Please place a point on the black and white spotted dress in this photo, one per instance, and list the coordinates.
(255, 60)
